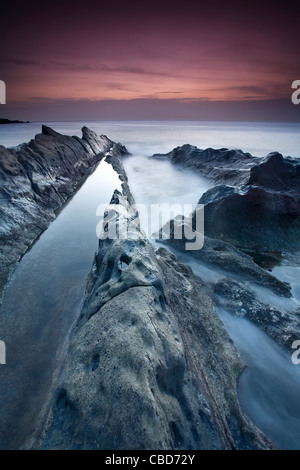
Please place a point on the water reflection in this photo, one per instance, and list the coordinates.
(40, 305)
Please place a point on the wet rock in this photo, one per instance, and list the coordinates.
(36, 179)
(237, 298)
(150, 365)
(263, 214)
(223, 166)
(256, 203)
(277, 174)
(225, 257)
(253, 217)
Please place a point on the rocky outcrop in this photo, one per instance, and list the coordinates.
(256, 203)
(36, 179)
(8, 121)
(276, 173)
(233, 270)
(240, 300)
(223, 256)
(150, 365)
(262, 215)
(223, 166)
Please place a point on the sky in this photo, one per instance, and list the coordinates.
(150, 60)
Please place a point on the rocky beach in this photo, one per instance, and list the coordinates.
(149, 363)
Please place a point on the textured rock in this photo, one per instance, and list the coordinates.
(36, 179)
(277, 174)
(256, 205)
(236, 269)
(264, 214)
(150, 365)
(224, 256)
(240, 300)
(253, 218)
(223, 166)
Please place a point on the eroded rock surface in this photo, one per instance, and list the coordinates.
(150, 365)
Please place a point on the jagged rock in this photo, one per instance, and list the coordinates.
(150, 365)
(224, 256)
(252, 218)
(256, 205)
(223, 166)
(240, 300)
(36, 179)
(277, 174)
(264, 214)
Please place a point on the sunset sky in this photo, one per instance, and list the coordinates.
(150, 60)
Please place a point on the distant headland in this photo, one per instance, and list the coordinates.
(8, 121)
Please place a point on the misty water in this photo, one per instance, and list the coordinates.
(44, 295)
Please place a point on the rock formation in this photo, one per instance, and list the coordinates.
(240, 300)
(223, 166)
(150, 365)
(36, 179)
(256, 203)
(262, 215)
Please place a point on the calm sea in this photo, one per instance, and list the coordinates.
(148, 137)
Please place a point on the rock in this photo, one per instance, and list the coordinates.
(262, 215)
(253, 218)
(8, 121)
(256, 203)
(240, 300)
(36, 179)
(232, 291)
(224, 256)
(276, 173)
(150, 365)
(223, 166)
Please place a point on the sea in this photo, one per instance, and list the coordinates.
(148, 137)
(45, 294)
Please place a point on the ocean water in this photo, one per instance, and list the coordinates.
(148, 137)
(40, 305)
(41, 315)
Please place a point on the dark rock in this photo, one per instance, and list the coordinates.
(277, 174)
(223, 166)
(224, 256)
(240, 300)
(9, 121)
(150, 365)
(264, 214)
(232, 291)
(256, 205)
(253, 218)
(36, 179)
